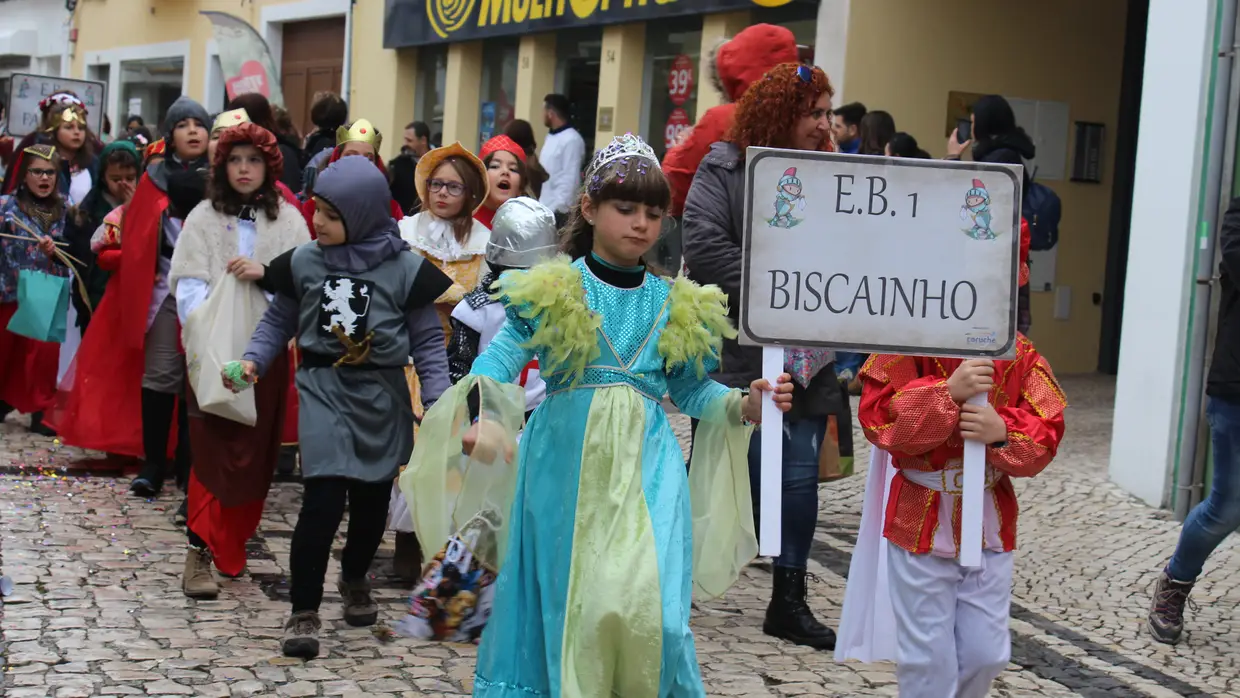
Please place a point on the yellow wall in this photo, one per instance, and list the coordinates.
(904, 56)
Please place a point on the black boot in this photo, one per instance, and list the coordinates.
(156, 421)
(788, 616)
(407, 562)
(37, 426)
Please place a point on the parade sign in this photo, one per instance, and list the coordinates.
(879, 255)
(874, 254)
(26, 91)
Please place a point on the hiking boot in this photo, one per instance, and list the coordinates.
(1166, 619)
(198, 581)
(301, 635)
(359, 608)
(407, 563)
(38, 427)
(788, 616)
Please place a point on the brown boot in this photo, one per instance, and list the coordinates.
(198, 581)
(360, 609)
(407, 563)
(301, 635)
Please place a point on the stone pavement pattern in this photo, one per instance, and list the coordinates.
(98, 608)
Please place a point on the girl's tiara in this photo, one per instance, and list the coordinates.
(626, 146)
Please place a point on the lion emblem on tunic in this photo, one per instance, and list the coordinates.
(340, 293)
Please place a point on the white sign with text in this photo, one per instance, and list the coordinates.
(26, 91)
(877, 254)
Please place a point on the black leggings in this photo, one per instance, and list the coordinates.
(322, 510)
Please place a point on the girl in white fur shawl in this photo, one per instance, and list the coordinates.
(243, 225)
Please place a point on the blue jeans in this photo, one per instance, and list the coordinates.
(1219, 515)
(802, 439)
(848, 364)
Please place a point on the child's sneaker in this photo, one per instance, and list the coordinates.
(360, 608)
(301, 635)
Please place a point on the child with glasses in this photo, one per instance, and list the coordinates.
(452, 185)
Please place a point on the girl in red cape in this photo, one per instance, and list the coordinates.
(120, 395)
(359, 138)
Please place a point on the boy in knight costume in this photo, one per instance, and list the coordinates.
(360, 303)
(945, 625)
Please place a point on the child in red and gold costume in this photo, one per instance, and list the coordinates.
(121, 394)
(950, 622)
(358, 138)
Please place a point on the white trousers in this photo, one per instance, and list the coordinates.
(952, 637)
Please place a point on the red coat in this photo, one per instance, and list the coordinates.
(739, 62)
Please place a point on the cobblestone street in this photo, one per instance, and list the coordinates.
(98, 610)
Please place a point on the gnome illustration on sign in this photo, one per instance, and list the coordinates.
(976, 212)
(787, 194)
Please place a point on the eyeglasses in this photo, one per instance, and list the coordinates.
(41, 173)
(454, 188)
(806, 73)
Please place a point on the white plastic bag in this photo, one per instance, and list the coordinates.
(215, 333)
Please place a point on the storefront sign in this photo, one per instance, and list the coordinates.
(245, 59)
(680, 80)
(677, 123)
(880, 255)
(420, 22)
(26, 91)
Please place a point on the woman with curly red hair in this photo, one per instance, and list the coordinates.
(788, 107)
(243, 224)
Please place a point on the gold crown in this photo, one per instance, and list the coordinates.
(229, 119)
(71, 114)
(360, 131)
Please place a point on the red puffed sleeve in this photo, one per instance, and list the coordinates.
(1035, 424)
(903, 411)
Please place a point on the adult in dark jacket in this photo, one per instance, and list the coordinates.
(260, 112)
(1211, 521)
(998, 139)
(788, 108)
(328, 112)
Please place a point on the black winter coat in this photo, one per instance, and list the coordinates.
(1224, 379)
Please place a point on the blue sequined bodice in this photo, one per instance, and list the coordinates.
(633, 320)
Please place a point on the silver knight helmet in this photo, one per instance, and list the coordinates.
(523, 234)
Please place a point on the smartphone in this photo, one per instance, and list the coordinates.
(964, 130)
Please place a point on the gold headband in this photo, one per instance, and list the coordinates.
(42, 150)
(229, 119)
(69, 115)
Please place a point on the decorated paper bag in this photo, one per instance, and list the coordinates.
(42, 306)
(214, 334)
(453, 600)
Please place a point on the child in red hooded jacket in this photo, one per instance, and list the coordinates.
(737, 63)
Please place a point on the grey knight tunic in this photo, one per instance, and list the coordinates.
(355, 421)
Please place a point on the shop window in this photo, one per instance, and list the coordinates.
(149, 87)
(578, 58)
(673, 71)
(429, 90)
(499, 87)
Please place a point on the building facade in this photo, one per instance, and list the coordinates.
(34, 38)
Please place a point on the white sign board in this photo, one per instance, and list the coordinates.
(874, 254)
(26, 91)
(135, 107)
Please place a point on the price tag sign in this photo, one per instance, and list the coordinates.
(677, 123)
(680, 80)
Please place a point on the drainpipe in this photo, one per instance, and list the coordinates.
(346, 80)
(1190, 465)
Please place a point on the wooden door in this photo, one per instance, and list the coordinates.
(313, 61)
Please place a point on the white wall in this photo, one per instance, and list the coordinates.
(49, 19)
(1161, 248)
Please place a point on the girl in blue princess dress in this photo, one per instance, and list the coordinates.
(602, 535)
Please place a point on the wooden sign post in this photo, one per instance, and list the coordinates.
(878, 255)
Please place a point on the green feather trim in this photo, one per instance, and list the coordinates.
(697, 323)
(552, 297)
